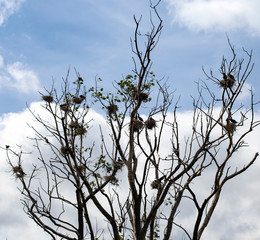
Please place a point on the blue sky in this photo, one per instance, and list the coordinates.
(40, 40)
(46, 37)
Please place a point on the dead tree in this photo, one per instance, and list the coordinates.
(80, 181)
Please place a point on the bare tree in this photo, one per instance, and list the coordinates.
(130, 157)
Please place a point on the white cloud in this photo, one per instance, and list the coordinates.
(236, 211)
(218, 15)
(18, 76)
(7, 8)
(1, 62)
(24, 80)
(245, 92)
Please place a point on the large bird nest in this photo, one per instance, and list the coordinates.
(47, 98)
(64, 107)
(64, 150)
(118, 164)
(78, 100)
(228, 81)
(18, 171)
(230, 127)
(137, 124)
(80, 130)
(112, 109)
(142, 95)
(150, 123)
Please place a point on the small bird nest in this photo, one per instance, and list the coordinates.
(142, 96)
(118, 164)
(111, 109)
(228, 81)
(78, 100)
(155, 184)
(230, 127)
(64, 150)
(137, 125)
(73, 124)
(18, 171)
(150, 123)
(64, 107)
(109, 178)
(81, 168)
(80, 130)
(47, 98)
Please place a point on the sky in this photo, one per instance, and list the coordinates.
(40, 40)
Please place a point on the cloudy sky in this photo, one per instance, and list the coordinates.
(40, 40)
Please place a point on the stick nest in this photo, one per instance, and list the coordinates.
(47, 98)
(142, 96)
(78, 100)
(18, 171)
(228, 81)
(112, 109)
(137, 125)
(230, 127)
(64, 107)
(150, 123)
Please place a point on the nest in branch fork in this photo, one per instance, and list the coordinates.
(18, 171)
(230, 127)
(109, 177)
(64, 150)
(111, 109)
(80, 168)
(228, 81)
(78, 100)
(64, 107)
(73, 124)
(118, 164)
(80, 130)
(137, 125)
(150, 123)
(142, 95)
(155, 184)
(47, 98)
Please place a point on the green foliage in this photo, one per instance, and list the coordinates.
(103, 164)
(156, 232)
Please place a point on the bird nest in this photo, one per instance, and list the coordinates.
(47, 98)
(155, 184)
(80, 130)
(137, 124)
(118, 164)
(78, 100)
(150, 123)
(64, 150)
(110, 178)
(64, 107)
(142, 95)
(73, 124)
(81, 168)
(18, 171)
(111, 109)
(228, 81)
(230, 127)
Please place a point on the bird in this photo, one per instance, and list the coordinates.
(7, 146)
(232, 120)
(139, 118)
(82, 97)
(231, 76)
